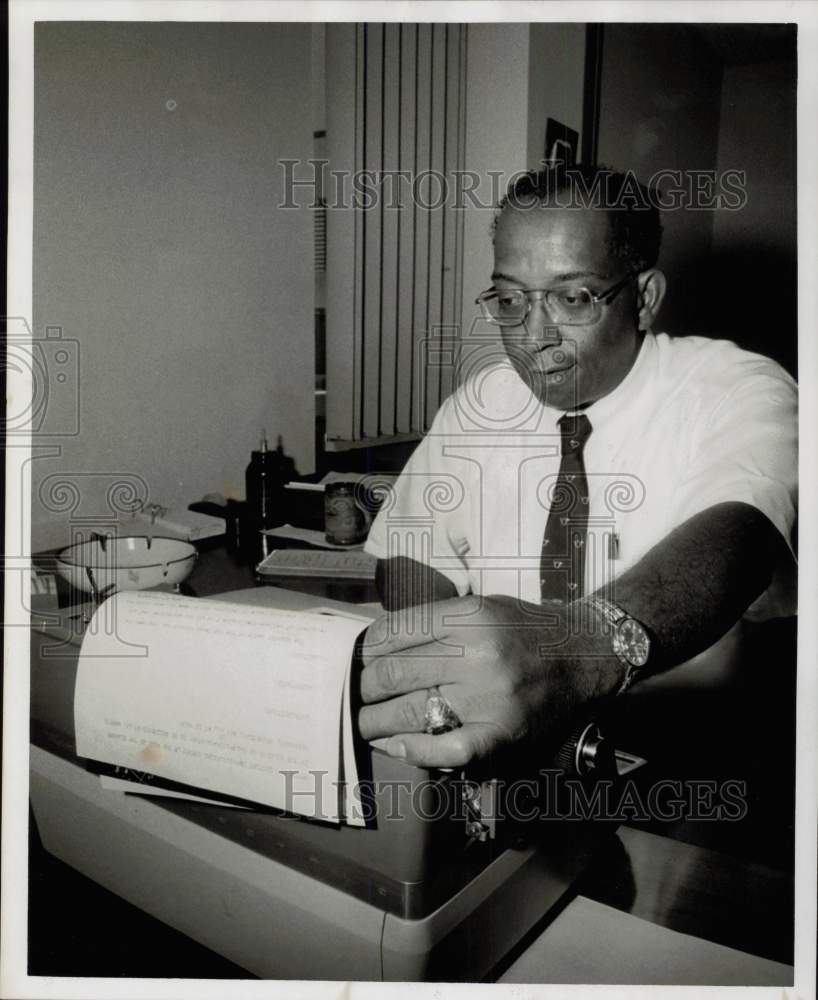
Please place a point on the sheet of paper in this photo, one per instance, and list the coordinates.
(309, 535)
(307, 487)
(225, 697)
(358, 477)
(352, 808)
(351, 801)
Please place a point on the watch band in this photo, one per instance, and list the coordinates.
(614, 615)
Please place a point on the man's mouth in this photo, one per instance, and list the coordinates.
(550, 366)
(551, 371)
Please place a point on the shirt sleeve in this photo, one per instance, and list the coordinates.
(745, 449)
(424, 515)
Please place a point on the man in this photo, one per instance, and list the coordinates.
(616, 500)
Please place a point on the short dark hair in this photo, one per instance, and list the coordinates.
(635, 233)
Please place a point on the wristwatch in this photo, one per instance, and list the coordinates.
(630, 640)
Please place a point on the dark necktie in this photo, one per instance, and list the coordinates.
(562, 564)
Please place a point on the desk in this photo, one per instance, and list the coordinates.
(655, 876)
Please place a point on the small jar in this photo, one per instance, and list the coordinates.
(346, 520)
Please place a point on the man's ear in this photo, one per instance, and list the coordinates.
(652, 286)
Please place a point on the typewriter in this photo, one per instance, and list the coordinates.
(449, 875)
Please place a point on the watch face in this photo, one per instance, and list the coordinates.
(631, 641)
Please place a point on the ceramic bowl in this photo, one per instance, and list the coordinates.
(132, 563)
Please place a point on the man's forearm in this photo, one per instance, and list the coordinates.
(689, 589)
(693, 586)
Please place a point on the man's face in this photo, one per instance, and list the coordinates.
(570, 366)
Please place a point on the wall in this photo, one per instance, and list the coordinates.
(556, 75)
(660, 98)
(754, 249)
(659, 110)
(518, 76)
(496, 140)
(159, 248)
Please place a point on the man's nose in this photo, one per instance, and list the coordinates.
(540, 327)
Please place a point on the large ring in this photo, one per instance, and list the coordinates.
(440, 716)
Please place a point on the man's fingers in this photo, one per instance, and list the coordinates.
(387, 676)
(406, 714)
(455, 749)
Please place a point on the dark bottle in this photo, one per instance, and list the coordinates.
(266, 475)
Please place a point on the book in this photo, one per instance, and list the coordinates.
(215, 698)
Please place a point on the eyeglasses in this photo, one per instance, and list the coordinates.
(567, 305)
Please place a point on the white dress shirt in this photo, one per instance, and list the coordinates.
(695, 422)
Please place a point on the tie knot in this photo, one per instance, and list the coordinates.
(575, 429)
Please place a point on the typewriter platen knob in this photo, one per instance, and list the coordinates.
(586, 751)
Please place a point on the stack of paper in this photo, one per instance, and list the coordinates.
(242, 701)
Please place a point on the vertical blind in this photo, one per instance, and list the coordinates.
(395, 142)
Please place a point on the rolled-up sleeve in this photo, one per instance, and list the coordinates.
(745, 449)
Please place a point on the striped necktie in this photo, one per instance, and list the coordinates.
(562, 563)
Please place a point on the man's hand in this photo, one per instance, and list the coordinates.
(511, 671)
(515, 671)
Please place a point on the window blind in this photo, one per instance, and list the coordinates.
(395, 143)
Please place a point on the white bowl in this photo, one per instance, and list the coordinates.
(132, 563)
